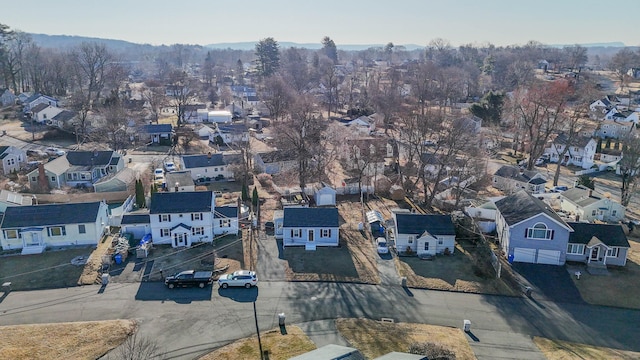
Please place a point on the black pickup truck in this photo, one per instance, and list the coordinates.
(189, 278)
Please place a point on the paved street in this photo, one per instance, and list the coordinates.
(189, 322)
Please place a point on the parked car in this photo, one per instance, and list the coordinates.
(244, 278)
(189, 278)
(539, 162)
(36, 153)
(169, 166)
(382, 245)
(158, 171)
(158, 179)
(54, 151)
(559, 189)
(429, 143)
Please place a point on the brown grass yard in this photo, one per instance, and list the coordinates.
(563, 350)
(51, 269)
(280, 347)
(621, 288)
(457, 272)
(79, 340)
(374, 338)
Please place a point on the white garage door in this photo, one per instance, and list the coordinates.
(551, 257)
(524, 255)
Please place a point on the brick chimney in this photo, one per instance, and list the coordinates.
(43, 182)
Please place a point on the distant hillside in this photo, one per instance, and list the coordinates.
(250, 45)
(67, 41)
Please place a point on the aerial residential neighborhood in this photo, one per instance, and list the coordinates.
(318, 201)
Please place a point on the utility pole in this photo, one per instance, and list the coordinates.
(255, 316)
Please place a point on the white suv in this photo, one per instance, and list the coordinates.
(244, 278)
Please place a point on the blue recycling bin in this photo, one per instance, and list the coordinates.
(118, 259)
(510, 258)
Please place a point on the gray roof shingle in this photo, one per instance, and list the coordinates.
(157, 128)
(89, 158)
(50, 214)
(226, 212)
(418, 224)
(521, 206)
(310, 217)
(181, 202)
(198, 161)
(610, 235)
(130, 219)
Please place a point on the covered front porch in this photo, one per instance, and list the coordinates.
(32, 241)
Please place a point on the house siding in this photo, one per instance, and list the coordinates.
(303, 240)
(517, 239)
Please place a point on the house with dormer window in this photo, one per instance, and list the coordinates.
(77, 168)
(530, 231)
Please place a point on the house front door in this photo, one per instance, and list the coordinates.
(594, 253)
(31, 238)
(311, 232)
(179, 239)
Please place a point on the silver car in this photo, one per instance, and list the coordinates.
(244, 278)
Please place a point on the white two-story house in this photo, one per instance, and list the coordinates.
(12, 158)
(182, 218)
(581, 151)
(206, 168)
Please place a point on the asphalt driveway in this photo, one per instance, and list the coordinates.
(549, 281)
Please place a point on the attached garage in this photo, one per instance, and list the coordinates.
(524, 255)
(551, 257)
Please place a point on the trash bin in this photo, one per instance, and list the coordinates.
(466, 326)
(403, 280)
(105, 279)
(527, 291)
(281, 319)
(118, 259)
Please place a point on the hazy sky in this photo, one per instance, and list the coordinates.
(501, 22)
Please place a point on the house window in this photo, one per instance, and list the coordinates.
(215, 169)
(197, 231)
(11, 234)
(53, 178)
(165, 217)
(613, 252)
(33, 179)
(225, 223)
(614, 212)
(196, 216)
(57, 231)
(325, 233)
(165, 232)
(410, 239)
(440, 242)
(296, 233)
(539, 231)
(575, 249)
(426, 246)
(593, 213)
(82, 229)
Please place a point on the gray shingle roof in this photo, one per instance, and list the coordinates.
(89, 158)
(157, 128)
(610, 235)
(226, 212)
(521, 206)
(581, 196)
(310, 217)
(50, 214)
(181, 202)
(418, 224)
(513, 172)
(64, 115)
(198, 161)
(135, 219)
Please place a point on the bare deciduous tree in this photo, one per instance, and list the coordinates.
(137, 347)
(629, 167)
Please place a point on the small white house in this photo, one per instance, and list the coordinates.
(206, 168)
(37, 227)
(310, 227)
(590, 205)
(424, 234)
